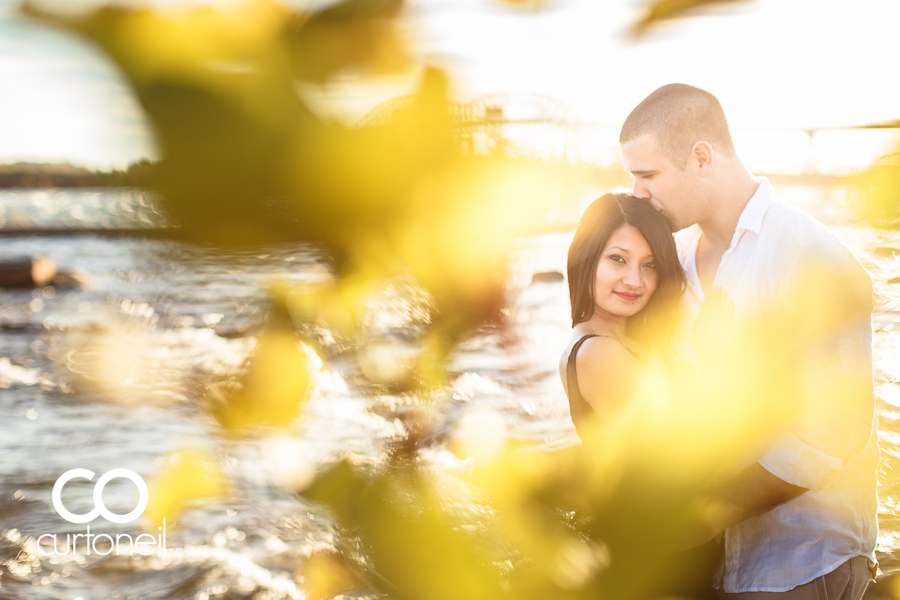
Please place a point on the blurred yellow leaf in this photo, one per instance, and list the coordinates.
(278, 381)
(354, 33)
(186, 477)
(326, 574)
(663, 10)
(412, 541)
(880, 188)
(332, 304)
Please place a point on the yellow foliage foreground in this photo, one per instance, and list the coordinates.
(245, 160)
(186, 478)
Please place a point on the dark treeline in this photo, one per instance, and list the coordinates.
(24, 175)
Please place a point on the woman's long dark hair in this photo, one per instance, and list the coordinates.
(654, 326)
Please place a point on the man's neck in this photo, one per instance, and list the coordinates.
(732, 196)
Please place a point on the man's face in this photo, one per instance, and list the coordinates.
(669, 190)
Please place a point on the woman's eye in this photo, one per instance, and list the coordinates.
(616, 258)
(650, 265)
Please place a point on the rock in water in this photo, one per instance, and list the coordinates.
(27, 272)
(547, 277)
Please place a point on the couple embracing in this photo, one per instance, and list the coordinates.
(801, 519)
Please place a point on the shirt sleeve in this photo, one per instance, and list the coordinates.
(792, 460)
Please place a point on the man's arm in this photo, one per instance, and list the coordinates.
(752, 492)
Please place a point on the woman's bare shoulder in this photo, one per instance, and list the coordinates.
(607, 371)
(598, 350)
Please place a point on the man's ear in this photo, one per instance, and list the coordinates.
(702, 154)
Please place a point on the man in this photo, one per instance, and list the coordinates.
(801, 521)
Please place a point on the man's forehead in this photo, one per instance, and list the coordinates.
(643, 153)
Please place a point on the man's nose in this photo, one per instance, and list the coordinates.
(640, 190)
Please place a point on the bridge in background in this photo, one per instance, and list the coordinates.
(479, 124)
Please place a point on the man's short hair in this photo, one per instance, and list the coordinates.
(679, 116)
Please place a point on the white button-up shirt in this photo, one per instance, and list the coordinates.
(836, 519)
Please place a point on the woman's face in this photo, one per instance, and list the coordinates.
(626, 275)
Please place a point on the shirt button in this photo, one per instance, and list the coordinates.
(845, 346)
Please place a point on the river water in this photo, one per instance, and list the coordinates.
(175, 317)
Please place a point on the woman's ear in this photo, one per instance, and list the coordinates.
(702, 156)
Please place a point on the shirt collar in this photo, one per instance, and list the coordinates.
(752, 216)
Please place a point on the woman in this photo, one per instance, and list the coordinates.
(625, 284)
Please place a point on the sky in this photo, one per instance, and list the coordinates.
(779, 67)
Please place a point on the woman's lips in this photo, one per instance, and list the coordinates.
(627, 297)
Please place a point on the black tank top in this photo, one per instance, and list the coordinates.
(579, 408)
